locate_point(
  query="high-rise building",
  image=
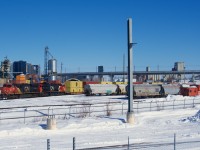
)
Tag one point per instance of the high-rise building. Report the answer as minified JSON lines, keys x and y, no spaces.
{"x":19,"y":67}
{"x":179,"y":66}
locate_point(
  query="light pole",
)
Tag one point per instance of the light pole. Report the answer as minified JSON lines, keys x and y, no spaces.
{"x":130,"y":113}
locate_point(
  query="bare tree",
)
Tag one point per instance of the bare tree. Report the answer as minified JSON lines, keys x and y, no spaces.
{"x":84,"y":110}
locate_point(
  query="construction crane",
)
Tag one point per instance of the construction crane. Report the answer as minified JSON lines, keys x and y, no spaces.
{"x":46,"y":58}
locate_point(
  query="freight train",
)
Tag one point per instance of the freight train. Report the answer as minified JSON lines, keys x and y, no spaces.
{"x":24,"y":90}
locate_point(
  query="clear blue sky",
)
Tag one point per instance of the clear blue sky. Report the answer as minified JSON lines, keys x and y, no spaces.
{"x":84,"y":34}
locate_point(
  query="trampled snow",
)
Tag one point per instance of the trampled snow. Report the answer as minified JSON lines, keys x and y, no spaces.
{"x":93,"y":130}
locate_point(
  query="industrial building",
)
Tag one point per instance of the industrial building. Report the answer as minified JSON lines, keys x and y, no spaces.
{"x":21,"y":66}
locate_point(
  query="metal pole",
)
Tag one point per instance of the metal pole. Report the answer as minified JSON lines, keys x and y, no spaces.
{"x":48,"y":144}
{"x":25,"y":115}
{"x":48,"y":111}
{"x":73,"y":143}
{"x":130,"y":113}
{"x":174,"y":141}
{"x":130,"y":66}
{"x":193,"y":102}
{"x":128,"y":142}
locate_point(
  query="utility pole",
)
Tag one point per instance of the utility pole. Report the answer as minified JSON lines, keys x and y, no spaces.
{"x":130,"y":113}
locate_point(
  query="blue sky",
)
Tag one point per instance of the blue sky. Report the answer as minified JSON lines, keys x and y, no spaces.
{"x":83,"y":34}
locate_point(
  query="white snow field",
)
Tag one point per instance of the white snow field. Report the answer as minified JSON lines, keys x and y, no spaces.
{"x":95,"y":129}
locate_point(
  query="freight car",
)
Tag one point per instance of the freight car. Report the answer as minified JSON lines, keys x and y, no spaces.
{"x":171,"y":89}
{"x":147,"y":90}
{"x":101,"y":89}
{"x":153,"y":90}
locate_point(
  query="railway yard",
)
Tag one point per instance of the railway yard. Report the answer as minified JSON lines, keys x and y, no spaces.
{"x":102,"y":118}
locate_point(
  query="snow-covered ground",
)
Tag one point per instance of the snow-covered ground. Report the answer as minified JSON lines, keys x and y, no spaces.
{"x":94,"y":130}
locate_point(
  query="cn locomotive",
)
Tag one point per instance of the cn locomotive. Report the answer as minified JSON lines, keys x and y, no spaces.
{"x":12,"y":91}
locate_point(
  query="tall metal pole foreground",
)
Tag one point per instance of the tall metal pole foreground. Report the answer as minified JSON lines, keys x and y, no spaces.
{"x":130,"y":113}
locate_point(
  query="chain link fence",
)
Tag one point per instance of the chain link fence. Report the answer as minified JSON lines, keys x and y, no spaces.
{"x":93,"y":110}
{"x":171,"y":144}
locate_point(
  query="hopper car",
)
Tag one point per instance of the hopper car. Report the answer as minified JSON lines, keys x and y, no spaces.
{"x":152,"y":90}
{"x":139,"y":90}
{"x":101,"y":89}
